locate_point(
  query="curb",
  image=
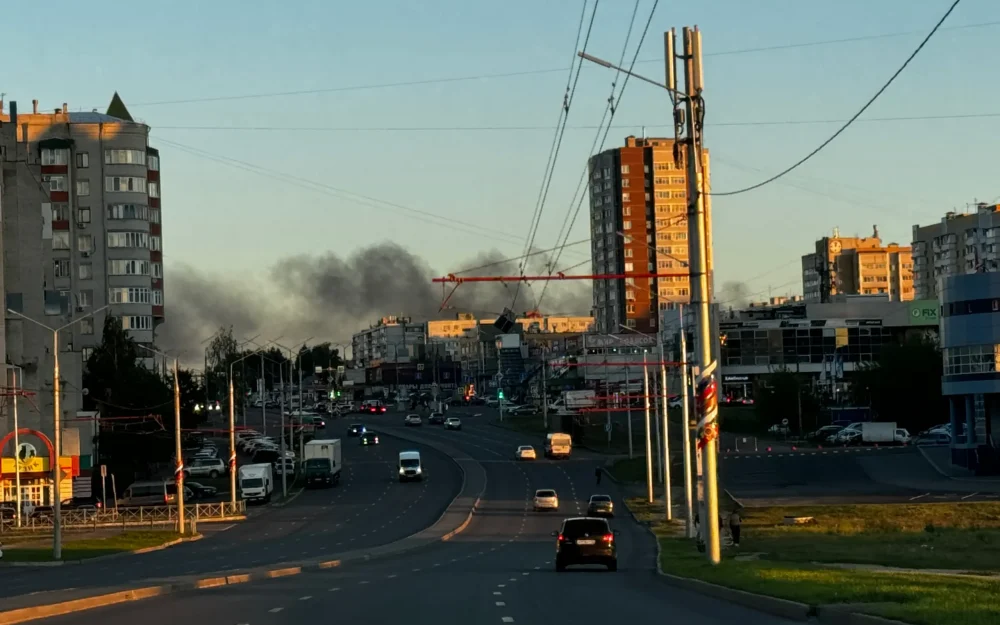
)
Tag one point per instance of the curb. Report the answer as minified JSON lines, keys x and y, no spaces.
{"x":110,"y":556}
{"x":423,"y":538}
{"x":836,"y":615}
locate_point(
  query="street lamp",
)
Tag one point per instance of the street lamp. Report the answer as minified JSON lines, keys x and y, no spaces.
{"x":232,"y":428}
{"x":17,"y":443}
{"x":298,"y":362}
{"x":57,"y":426}
{"x":179,"y":467}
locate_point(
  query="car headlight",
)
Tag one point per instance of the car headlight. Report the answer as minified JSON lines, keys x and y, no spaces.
{"x":402,"y":470}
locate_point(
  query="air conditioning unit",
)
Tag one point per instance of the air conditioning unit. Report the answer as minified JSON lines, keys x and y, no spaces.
{"x":81,"y":225}
{"x":85,"y":254}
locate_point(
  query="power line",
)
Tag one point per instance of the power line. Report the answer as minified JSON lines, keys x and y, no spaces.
{"x":550,"y":166}
{"x":535,"y":72}
{"x":856,"y":115}
{"x":734,"y":124}
{"x":530,"y":254}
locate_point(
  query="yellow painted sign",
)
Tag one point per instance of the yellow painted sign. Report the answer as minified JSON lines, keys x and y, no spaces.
{"x":36,"y":464}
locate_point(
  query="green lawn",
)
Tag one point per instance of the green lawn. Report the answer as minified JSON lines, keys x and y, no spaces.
{"x":84,"y":548}
{"x":963,"y":537}
{"x":629,"y":469}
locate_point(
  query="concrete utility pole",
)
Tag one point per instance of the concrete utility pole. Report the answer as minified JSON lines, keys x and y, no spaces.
{"x":545,"y":391}
{"x":686,"y":432}
{"x":179,"y":475}
{"x":664,"y":403}
{"x":649,"y":443}
{"x":692,"y":113}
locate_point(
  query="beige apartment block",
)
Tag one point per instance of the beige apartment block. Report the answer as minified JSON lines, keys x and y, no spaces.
{"x":857,"y":266}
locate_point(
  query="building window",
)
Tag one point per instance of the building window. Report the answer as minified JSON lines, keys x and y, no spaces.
{"x":85,"y":243}
{"x":58,"y":156}
{"x":157,"y":298}
{"x":626,"y":197}
{"x":82,"y":187}
{"x":154,"y":189}
{"x":125,"y":183}
{"x":626,"y":210}
{"x":625,"y":182}
{"x":625,"y":169}
{"x":128,"y":295}
{"x":55,"y":183}
{"x":60,"y":211}
{"x":60,"y":240}
{"x":628,"y":266}
{"x":87,"y":327}
{"x":128,"y":239}
{"x":156,"y":270}
{"x":86,"y":271}
{"x":154,"y":243}
{"x":61,"y":269}
{"x":626,"y":225}
{"x":678,"y":194}
{"x":125,"y":157}
{"x":87,"y":352}
{"x":128,"y":268}
{"x":153,"y":162}
{"x":680,"y":236}
{"x":683,"y":291}
{"x":85,"y":298}
{"x":83,"y":160}
{"x":128,"y":211}
{"x":630,"y":308}
{"x":137,"y":322}
{"x":83,"y":215}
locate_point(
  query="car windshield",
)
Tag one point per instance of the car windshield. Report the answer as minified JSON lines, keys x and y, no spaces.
{"x":545,"y":493}
{"x":591,"y":527}
{"x":600,"y":498}
{"x":409,"y":463}
{"x":525,"y":448}
{"x":253,"y":482}
{"x":355,"y":426}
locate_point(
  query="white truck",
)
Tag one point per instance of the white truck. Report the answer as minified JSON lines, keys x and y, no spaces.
{"x":323,"y":461}
{"x":256,"y":482}
{"x":558,"y":445}
{"x":883,"y":433}
{"x":573,"y":400}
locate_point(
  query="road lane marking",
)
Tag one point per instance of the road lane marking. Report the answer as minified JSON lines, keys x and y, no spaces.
{"x":968,"y":496}
{"x":305,"y":598}
{"x":275,"y":610}
{"x":507,"y":619}
{"x":334,"y":589}
{"x":501,"y":585}
{"x":525,"y":573}
{"x":497,"y":592}
{"x":392,"y":576}
{"x":501,"y":604}
{"x":919,"y":497}
{"x":364,"y":581}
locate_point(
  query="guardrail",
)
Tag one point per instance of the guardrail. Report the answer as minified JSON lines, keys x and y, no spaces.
{"x":140,"y":516}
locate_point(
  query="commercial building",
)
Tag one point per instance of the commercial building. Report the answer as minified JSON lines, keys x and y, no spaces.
{"x":857,"y":266}
{"x":80,"y":222}
{"x":970,"y":345}
{"x":638,"y":214}
{"x":827,"y":341}
{"x":958,"y":244}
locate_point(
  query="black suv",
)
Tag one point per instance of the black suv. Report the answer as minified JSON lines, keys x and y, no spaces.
{"x":586,"y":540}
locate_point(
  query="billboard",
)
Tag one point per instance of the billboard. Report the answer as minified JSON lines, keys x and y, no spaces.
{"x":924,"y":312}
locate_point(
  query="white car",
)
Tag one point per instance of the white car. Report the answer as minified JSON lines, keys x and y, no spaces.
{"x":525,"y":452}
{"x":413,"y":420}
{"x":546,"y":499}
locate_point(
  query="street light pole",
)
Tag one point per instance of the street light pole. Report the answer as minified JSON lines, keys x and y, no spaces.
{"x":649,"y":443}
{"x":17,"y":445}
{"x":686,"y":431}
{"x":56,"y":426}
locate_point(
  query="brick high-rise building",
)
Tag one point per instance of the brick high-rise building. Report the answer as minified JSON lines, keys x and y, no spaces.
{"x":641,"y":192}
{"x":80,"y":198}
{"x":857,"y":266}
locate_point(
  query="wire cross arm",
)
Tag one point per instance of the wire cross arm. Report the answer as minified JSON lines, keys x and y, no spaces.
{"x":680,"y":95}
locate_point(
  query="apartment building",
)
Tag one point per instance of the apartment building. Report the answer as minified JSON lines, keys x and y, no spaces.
{"x":857,"y":266}
{"x":638,"y":212}
{"x":960,"y":243}
{"x":391,"y":339}
{"x":80,"y":230}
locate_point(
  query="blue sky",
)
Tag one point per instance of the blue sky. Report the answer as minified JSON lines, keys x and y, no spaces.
{"x":228,"y":221}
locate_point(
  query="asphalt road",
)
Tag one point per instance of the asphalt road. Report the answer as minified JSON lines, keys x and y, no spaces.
{"x":369,"y":508}
{"x":499,"y":570}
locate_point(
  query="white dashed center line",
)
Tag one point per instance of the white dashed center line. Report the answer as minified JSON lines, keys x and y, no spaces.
{"x":275,"y":610}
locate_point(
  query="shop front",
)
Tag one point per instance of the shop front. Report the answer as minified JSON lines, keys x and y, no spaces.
{"x":30,"y":464}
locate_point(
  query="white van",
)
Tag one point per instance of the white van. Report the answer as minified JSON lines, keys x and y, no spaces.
{"x":257,"y":482}
{"x":156,"y":493}
{"x":410,"y":467}
{"x":558,"y":445}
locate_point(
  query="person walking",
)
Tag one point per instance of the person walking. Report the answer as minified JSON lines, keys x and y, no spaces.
{"x":734,"y":526}
{"x":597,"y":474}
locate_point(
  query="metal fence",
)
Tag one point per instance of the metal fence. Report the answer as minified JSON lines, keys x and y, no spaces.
{"x":140,"y":516}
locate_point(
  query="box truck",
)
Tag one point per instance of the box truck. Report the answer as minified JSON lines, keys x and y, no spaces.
{"x":256,"y":482}
{"x":323,"y":462}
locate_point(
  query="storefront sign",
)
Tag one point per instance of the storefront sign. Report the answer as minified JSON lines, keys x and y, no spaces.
{"x":598,"y":341}
{"x":39,"y":464}
{"x":735,"y":378}
{"x":924,"y":312}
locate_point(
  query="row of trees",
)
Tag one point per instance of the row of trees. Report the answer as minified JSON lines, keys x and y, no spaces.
{"x":903,"y":385}
{"x":225,"y":352}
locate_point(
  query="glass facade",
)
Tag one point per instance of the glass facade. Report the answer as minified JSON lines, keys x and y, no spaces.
{"x":788,"y":346}
{"x":971,"y":359}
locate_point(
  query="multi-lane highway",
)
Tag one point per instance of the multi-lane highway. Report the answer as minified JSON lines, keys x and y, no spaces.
{"x":369,"y":508}
{"x":499,"y":570}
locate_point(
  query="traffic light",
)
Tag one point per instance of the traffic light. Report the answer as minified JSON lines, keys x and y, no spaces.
{"x":500,"y":394}
{"x":338,"y":393}
{"x":332,"y":395}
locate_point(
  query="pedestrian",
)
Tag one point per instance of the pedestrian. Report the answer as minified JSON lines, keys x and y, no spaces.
{"x":597,"y":474}
{"x":734,"y":526}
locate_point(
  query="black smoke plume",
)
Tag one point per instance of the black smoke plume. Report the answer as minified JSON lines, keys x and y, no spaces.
{"x":331,"y":297}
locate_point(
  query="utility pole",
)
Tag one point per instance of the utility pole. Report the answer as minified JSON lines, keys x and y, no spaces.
{"x":232,"y":448}
{"x":179,"y":470}
{"x":692,"y":114}
{"x":628,"y":408}
{"x":281,"y":445}
{"x":545,"y":391}
{"x":686,"y":432}
{"x":649,"y":443}
{"x":263,"y":400}
{"x":664,"y":401}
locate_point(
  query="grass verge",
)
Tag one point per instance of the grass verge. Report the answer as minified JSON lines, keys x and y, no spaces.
{"x":84,"y":548}
{"x":629,"y":469}
{"x":787,"y":560}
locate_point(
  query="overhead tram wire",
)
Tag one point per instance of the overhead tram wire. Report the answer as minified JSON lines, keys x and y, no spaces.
{"x":611,"y":108}
{"x":535,"y":72}
{"x":571,"y":83}
{"x":852,"y":119}
{"x":364,"y":200}
{"x":510,"y":260}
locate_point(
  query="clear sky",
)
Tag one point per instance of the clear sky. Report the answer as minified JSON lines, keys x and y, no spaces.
{"x":179,"y":64}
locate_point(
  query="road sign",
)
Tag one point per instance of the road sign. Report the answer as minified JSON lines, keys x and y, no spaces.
{"x":607,"y":427}
{"x":784,"y":422}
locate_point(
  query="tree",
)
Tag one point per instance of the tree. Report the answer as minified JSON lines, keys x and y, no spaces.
{"x":780,"y":396}
{"x":222,"y":351}
{"x":115,"y":379}
{"x":192,"y":394}
{"x":904,"y":385}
